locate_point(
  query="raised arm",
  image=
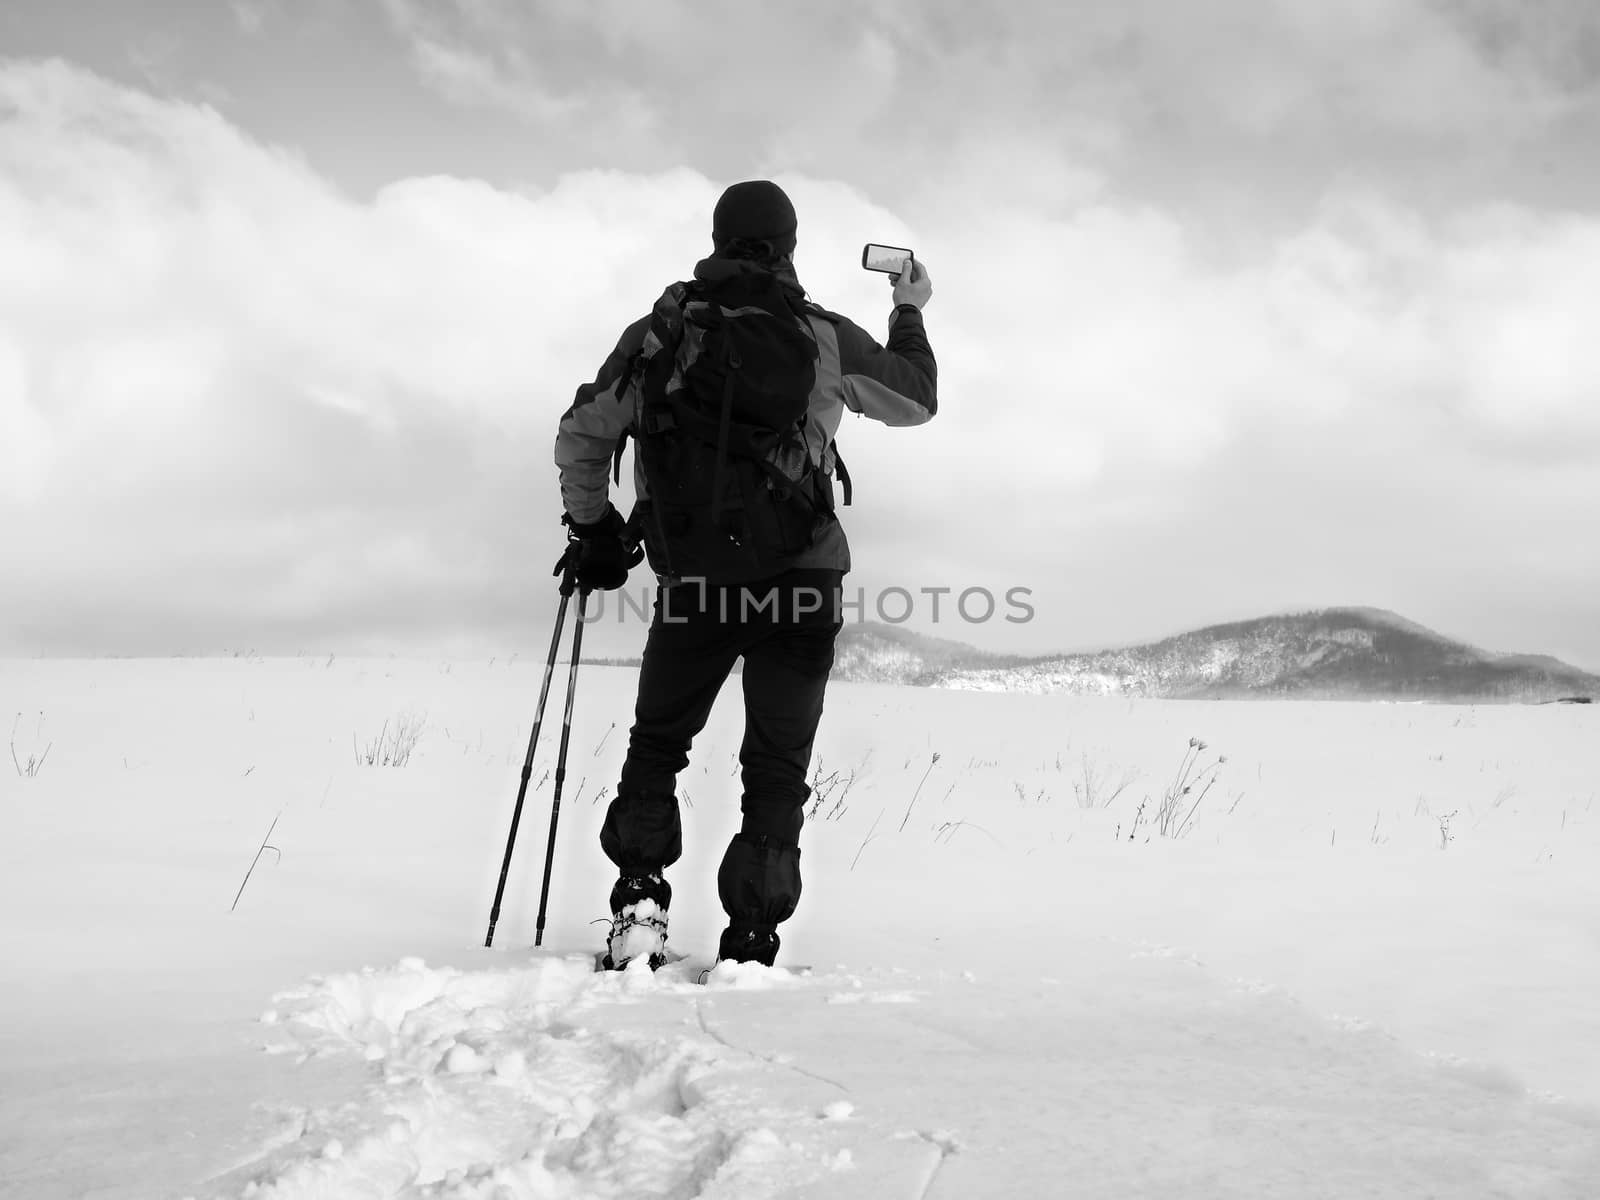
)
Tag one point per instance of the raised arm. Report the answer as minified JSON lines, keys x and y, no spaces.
{"x":897,"y":383}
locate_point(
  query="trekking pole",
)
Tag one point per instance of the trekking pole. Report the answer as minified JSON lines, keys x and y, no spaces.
{"x":527,"y":765}
{"x":561,"y":766}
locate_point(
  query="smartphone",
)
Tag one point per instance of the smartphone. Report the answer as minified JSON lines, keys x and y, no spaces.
{"x":891,"y":260}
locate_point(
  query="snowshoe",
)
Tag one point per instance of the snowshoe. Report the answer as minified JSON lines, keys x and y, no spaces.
{"x":638,"y":922}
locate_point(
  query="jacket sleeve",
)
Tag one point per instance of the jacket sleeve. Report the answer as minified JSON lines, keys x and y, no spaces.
{"x":587,"y":436}
{"x":896,"y":384}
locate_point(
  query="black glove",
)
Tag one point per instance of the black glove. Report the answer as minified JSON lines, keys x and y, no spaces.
{"x":599,"y":553}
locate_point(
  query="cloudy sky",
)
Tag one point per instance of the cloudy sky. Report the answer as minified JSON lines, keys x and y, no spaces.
{"x":1242,"y":307}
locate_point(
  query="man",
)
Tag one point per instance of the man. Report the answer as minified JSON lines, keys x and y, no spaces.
{"x":781,"y":614}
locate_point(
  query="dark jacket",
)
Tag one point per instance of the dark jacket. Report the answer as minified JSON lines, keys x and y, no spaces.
{"x":896,"y":384}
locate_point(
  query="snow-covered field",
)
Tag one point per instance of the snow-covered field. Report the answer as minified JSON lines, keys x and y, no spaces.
{"x":1368,"y":967}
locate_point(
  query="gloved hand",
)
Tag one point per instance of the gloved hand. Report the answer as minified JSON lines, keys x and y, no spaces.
{"x":598,"y":553}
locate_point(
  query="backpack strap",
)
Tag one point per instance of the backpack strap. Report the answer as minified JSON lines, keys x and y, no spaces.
{"x":724,"y":421}
{"x":843,"y":472}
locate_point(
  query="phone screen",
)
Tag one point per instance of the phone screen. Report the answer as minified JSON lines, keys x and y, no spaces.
{"x":891,"y":260}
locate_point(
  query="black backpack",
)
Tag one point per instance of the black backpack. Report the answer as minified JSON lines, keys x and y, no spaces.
{"x":725,"y":379}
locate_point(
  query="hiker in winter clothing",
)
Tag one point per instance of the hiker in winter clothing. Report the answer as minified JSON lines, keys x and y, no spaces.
{"x":736,"y":510}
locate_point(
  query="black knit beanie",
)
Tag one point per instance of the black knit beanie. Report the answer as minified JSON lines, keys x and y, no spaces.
{"x":754,"y":211}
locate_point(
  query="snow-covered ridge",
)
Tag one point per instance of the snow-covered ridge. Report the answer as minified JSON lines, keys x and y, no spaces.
{"x":1346,"y":653}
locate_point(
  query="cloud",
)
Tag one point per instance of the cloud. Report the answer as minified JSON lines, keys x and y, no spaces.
{"x":477,"y":80}
{"x":233,"y":397}
{"x":237,"y":404}
{"x":1233,"y":104}
{"x":1392,"y":67}
{"x":250,"y":15}
{"x":467,"y":54}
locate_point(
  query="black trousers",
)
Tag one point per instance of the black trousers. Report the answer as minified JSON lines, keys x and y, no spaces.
{"x":784,"y":628}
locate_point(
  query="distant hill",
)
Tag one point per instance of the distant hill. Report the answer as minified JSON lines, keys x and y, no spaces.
{"x":873,"y":653}
{"x":1336,"y":653}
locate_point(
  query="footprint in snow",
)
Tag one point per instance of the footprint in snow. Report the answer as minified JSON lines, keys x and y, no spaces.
{"x":491,"y":1083}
